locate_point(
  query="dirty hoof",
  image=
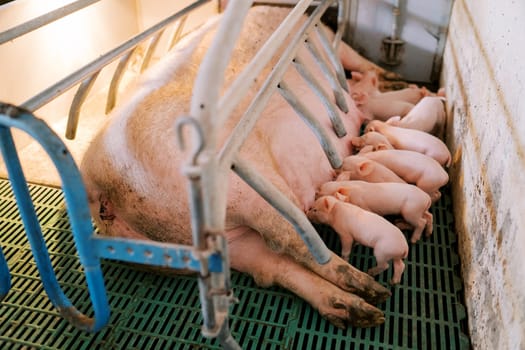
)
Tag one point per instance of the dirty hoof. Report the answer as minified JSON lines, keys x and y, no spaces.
{"x":354,"y":311}
{"x":364,"y":286}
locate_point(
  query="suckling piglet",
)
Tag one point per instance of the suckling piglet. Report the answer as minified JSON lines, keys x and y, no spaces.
{"x":412,"y":140}
{"x":377,"y":140}
{"x":356,"y":167}
{"x":369,"y":229}
{"x":414,"y":168}
{"x":428,"y":115}
{"x":386,"y":198}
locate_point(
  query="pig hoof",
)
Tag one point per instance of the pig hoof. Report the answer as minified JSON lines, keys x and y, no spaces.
{"x":354,"y":312}
{"x":363,"y":285}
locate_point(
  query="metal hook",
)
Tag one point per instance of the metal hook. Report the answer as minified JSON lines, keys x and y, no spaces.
{"x":200,"y":137}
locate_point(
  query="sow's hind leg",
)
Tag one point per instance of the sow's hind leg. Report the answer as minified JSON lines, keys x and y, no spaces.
{"x":250,"y":254}
{"x":280,"y":236}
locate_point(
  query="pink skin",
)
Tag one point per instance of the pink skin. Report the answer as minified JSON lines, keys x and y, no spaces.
{"x":357,"y":167}
{"x":382,"y":105}
{"x":413,"y":167}
{"x":428,"y":116}
{"x":133,"y":170}
{"x":412,"y":140}
{"x":386,"y":198}
{"x":364,"y":227}
{"x":376,"y":140}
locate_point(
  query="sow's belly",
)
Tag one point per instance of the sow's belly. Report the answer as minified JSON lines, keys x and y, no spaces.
{"x":132,"y":170}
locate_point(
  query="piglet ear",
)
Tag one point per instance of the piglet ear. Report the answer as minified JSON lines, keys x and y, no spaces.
{"x":393,"y":120}
{"x":357,"y":76}
{"x":382,"y":146}
{"x":340,"y":196}
{"x":344,"y":191}
{"x":329,"y":202}
{"x":366,"y":167}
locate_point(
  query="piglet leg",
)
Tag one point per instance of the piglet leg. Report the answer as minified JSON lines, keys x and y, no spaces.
{"x":249,"y":254}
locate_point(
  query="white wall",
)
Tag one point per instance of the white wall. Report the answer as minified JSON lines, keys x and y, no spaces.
{"x":484,"y":72}
{"x":35,"y":61}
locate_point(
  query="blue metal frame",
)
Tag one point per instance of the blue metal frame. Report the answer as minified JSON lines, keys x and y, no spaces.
{"x":91,"y":247}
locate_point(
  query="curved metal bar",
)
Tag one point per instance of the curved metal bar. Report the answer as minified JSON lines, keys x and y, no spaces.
{"x":5,"y":277}
{"x":178,"y":31}
{"x":244,"y":80}
{"x":250,"y":117}
{"x":337,"y":123}
{"x":151,"y":49}
{"x":76,"y":104}
{"x":338,"y":92}
{"x":78,"y":211}
{"x":115,"y":81}
{"x":287,"y":209}
{"x":310,"y":120}
{"x":343,"y":15}
{"x":332,"y":56}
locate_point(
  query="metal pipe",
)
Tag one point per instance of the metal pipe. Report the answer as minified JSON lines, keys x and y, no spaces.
{"x":250,"y":117}
{"x":151,"y":49}
{"x":332,"y":56}
{"x":313,"y":123}
{"x":77,"y":208}
{"x":336,"y":87}
{"x":41,"y":21}
{"x":78,"y":100}
{"x":65,"y":84}
{"x":115,"y":81}
{"x":245,"y":79}
{"x":178,"y":31}
{"x":286,"y":208}
{"x":337,"y":124}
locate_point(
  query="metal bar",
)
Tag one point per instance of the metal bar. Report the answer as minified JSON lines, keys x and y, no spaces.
{"x":336,"y":87}
{"x":65,"y":84}
{"x":76,"y":104}
{"x":337,"y":123}
{"x":287,"y":209}
{"x":5,"y":277}
{"x":151,"y":49}
{"x":245,"y":79}
{"x":178,"y":32}
{"x":248,"y":120}
{"x":203,"y":108}
{"x":343,"y":15}
{"x":332,"y":56}
{"x":78,"y":211}
{"x":156,"y":254}
{"x":41,"y":21}
{"x":115,"y":81}
{"x":310,"y":120}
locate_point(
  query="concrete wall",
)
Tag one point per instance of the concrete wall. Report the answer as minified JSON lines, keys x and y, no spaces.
{"x":484,"y":73}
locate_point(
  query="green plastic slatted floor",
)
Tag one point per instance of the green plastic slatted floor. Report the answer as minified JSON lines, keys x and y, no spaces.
{"x":159,"y":312}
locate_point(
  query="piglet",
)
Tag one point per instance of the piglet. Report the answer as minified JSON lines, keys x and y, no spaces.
{"x":357,"y":167}
{"x":386,"y":198}
{"x":382,"y":105}
{"x":414,"y":168}
{"x":376,"y":140}
{"x":369,"y":229}
{"x":412,"y":140}
{"x":428,"y":115}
